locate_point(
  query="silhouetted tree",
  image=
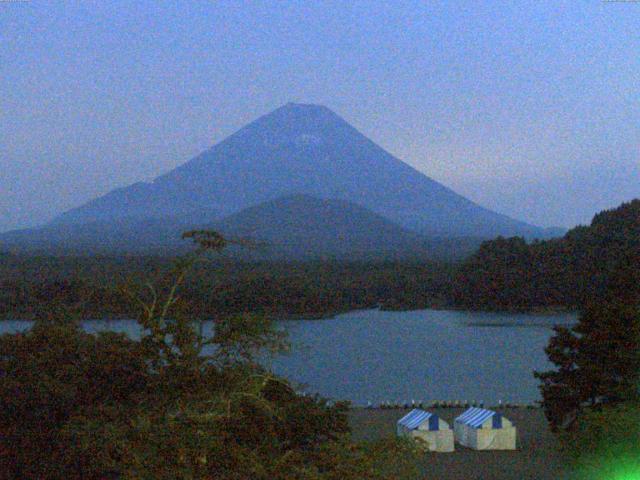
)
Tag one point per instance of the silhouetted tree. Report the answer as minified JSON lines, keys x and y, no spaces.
{"x":174,"y":404}
{"x":598,"y":360}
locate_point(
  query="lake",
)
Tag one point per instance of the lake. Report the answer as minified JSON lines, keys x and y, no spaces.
{"x":375,"y":356}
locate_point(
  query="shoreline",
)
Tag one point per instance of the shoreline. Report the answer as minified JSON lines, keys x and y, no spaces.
{"x":311,"y":316}
{"x":538,"y":454}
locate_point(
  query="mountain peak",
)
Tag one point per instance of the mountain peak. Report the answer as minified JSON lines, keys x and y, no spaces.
{"x":303,"y":148}
{"x":305,"y":106}
{"x":302,"y":111}
{"x":301,"y":124}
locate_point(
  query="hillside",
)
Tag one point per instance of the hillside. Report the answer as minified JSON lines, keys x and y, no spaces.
{"x":304,"y":227}
{"x":161,"y":236}
{"x":301,"y":149}
{"x":511,"y":274}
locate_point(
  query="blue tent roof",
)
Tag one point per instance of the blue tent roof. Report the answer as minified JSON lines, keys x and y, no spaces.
{"x":475,"y":417}
{"x":416,"y":417}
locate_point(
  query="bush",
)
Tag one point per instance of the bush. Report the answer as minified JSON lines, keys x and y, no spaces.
{"x":605,"y":443}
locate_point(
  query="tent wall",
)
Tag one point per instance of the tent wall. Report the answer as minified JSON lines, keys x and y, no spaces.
{"x":435,"y":441}
{"x":496,"y":439}
{"x":486,"y":438}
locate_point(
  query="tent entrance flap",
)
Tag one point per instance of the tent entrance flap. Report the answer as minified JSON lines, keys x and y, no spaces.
{"x":497,"y":421}
{"x":434,"y":423}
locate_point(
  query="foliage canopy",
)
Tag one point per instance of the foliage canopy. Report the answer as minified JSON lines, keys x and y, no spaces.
{"x":174,"y":404}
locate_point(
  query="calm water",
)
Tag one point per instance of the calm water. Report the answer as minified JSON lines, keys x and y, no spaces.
{"x":399,"y":356}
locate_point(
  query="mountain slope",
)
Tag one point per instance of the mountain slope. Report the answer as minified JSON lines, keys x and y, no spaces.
{"x":123,"y":235}
{"x":297,"y":227}
{"x":508,"y":274}
{"x":304,"y":227}
{"x":302,"y":149}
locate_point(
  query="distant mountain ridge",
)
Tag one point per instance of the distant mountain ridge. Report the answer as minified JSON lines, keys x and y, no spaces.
{"x":302,"y":149}
{"x":296,"y":227}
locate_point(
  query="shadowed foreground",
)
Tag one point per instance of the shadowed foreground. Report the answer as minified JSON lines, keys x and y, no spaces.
{"x":537,"y":457}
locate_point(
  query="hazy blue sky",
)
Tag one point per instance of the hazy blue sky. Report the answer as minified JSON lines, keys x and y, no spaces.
{"x":529,"y":108}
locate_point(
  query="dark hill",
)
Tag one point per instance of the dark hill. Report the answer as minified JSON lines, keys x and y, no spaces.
{"x":304,"y":227}
{"x":569,"y":272}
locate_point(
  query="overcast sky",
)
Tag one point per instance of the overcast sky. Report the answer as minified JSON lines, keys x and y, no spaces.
{"x":528,"y":108}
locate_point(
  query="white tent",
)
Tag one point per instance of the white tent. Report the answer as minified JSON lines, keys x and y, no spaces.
{"x":482,"y":429}
{"x":428,"y":427}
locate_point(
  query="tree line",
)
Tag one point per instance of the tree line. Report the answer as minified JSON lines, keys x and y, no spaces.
{"x":504,"y":274}
{"x":592,"y":395}
{"x":511,"y":274}
{"x":92,"y":286}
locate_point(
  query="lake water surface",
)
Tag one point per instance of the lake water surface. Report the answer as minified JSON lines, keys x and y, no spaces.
{"x":375,"y":356}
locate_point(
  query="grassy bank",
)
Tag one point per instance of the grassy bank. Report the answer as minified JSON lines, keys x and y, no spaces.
{"x":537,"y":458}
